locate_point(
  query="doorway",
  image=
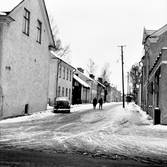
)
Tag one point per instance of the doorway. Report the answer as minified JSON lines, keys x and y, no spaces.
{"x":26,"y":109}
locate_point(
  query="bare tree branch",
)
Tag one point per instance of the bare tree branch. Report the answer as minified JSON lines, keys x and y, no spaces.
{"x":105,"y":73}
{"x":91,"y":67}
{"x":62,"y":51}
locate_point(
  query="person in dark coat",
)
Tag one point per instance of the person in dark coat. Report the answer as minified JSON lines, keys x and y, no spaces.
{"x":100,"y":103}
{"x":94,"y":103}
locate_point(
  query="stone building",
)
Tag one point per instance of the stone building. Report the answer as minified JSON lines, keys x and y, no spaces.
{"x":154,"y":74}
{"x":25,"y":41}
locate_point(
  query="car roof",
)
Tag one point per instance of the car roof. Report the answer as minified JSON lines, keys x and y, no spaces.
{"x":62,"y":99}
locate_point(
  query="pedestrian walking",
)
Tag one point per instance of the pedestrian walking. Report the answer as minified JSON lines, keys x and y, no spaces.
{"x":100,"y":103}
{"x":94,"y":102}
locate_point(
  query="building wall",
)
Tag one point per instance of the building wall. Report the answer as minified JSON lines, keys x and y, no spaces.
{"x":163,"y":94}
{"x":93,"y":90}
{"x":25,"y":64}
{"x":65,"y":83}
{"x":155,"y":48}
{"x":58,"y":81}
{"x":100,"y":92}
{"x":152,"y":50}
{"x":87,"y":94}
{"x":52,"y":81}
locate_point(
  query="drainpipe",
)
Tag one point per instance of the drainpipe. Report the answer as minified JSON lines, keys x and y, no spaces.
{"x":72,"y":86}
{"x":57,"y":77}
{"x":1,"y":52}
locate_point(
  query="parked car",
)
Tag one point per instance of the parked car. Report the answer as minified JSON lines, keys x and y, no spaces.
{"x":61,"y":104}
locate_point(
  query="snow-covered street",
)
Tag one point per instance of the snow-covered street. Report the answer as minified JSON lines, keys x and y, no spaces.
{"x":113,"y":132}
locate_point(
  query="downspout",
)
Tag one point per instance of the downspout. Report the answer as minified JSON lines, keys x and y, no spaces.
{"x":86,"y":95}
{"x":72,"y":86}
{"x":57,"y":76}
{"x":147,"y":73}
{"x":1,"y":52}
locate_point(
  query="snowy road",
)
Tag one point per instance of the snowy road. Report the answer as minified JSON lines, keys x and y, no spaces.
{"x":110,"y":133}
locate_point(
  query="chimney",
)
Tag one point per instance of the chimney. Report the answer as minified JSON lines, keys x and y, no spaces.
{"x":91,"y":76}
{"x":80,"y":69}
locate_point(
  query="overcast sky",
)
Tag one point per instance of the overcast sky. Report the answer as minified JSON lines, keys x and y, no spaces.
{"x":95,"y":28}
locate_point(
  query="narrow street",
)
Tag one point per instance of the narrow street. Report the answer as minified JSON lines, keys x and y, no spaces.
{"x":112,"y":133}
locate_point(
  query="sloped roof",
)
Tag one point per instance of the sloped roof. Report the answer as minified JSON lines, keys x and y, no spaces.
{"x":81,"y":81}
{"x":153,"y":32}
{"x":160,"y":31}
{"x":100,"y":84}
{"x":89,"y":78}
{"x":149,"y":32}
{"x":55,"y":56}
{"x":9,"y":5}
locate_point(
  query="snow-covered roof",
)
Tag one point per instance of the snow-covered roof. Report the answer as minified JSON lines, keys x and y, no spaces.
{"x":164,"y":48}
{"x":8,"y":5}
{"x":55,"y":56}
{"x":81,"y":81}
{"x":100,"y":84}
{"x":89,"y":78}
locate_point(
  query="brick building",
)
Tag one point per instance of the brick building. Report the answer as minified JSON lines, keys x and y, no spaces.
{"x":154,"y":74}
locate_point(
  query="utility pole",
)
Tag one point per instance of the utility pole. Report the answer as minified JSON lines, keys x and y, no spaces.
{"x":128,"y":90}
{"x":122,"y":58}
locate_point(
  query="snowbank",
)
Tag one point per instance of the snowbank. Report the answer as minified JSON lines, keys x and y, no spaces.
{"x":35,"y":116}
{"x":43,"y":114}
{"x":138,"y":116}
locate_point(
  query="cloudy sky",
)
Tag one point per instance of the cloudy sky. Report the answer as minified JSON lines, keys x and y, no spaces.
{"x":95,"y":28}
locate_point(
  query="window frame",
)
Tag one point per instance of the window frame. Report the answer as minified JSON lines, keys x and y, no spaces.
{"x":59,"y":90}
{"x":67,"y":74}
{"x":26,"y":22}
{"x":69,"y":94}
{"x":60,"y":67}
{"x":66,"y":92}
{"x":62,"y":91}
{"x":64,"y":72}
{"x":70,"y":74}
{"x":39,"y":31}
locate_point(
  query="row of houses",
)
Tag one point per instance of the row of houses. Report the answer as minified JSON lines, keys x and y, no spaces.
{"x":86,"y":88}
{"x":31,"y":73}
{"x":153,"y":88}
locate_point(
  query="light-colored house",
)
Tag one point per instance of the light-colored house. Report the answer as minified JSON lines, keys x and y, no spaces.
{"x":25,"y":41}
{"x":154,"y":74}
{"x":60,"y":79}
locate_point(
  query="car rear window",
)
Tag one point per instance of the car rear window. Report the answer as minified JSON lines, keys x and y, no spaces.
{"x":64,"y":103}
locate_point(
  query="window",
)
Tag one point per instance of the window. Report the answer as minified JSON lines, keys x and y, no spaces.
{"x":66,"y":91}
{"x":60,"y":71}
{"x":69,"y":94}
{"x":39,"y":31}
{"x":59,"y":88}
{"x":67,"y":73}
{"x":64,"y":70}
{"x":26,"y":22}
{"x":62,"y":91}
{"x":70,"y":75}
